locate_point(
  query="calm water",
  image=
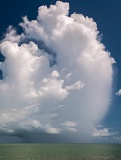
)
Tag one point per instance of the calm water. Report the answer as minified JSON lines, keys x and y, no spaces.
{"x":60,"y":152}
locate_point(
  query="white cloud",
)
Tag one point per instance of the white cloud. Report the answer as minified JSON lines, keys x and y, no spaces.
{"x":119,"y":92}
{"x":102,"y":132}
{"x":77,"y":85}
{"x":36,"y":124}
{"x":55,"y":74}
{"x":5,"y":129}
{"x":63,"y":64}
{"x":52,"y":130}
{"x":68,"y":76}
{"x":12,"y":35}
{"x":69,"y":124}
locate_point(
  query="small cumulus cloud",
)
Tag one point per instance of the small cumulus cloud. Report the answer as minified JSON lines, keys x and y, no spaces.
{"x":119,"y":92}
{"x":102,"y":132}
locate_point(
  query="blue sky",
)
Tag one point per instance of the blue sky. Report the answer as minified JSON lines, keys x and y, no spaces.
{"x":106,"y":13}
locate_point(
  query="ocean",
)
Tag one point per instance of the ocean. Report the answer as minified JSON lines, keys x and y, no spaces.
{"x":60,"y":151}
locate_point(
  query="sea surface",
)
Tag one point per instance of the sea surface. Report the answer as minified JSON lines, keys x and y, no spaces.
{"x":60,"y":152}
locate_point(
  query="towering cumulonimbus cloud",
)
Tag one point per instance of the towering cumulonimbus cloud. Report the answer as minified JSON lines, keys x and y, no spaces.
{"x":57,"y":76}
